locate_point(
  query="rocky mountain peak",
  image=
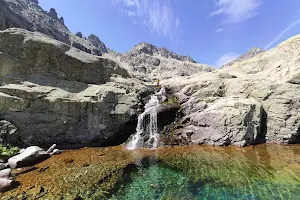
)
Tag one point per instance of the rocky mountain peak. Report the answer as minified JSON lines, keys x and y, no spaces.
{"x":150,"y":49}
{"x":94,"y":40}
{"x":144,"y":47}
{"x":52,"y":13}
{"x":79,"y":34}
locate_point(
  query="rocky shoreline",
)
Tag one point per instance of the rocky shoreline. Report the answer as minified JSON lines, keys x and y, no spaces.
{"x":25,"y":158}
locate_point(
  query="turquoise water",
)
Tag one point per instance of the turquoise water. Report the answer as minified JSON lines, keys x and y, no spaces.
{"x":218,"y":175}
{"x":159,"y":181}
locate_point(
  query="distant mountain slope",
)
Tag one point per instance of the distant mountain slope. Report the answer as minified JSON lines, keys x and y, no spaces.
{"x":147,"y":62}
{"x":250,"y":54}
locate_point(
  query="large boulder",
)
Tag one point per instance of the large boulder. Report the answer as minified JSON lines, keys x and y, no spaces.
{"x":228,"y":121}
{"x":30,"y":155}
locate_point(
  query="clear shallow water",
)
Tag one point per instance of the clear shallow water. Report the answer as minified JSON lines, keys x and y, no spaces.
{"x":215,"y":173}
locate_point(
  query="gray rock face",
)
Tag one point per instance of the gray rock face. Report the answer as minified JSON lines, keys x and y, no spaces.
{"x":28,"y":15}
{"x":268,"y":80}
{"x":94,"y":40}
{"x":35,"y":1}
{"x":57,"y":94}
{"x":8,"y":133}
{"x":79,"y":34}
{"x":164,"y":52}
{"x":29,"y":156}
{"x":52,"y":13}
{"x":228,"y":121}
{"x":45,"y":56}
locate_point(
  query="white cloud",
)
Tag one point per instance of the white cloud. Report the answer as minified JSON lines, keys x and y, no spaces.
{"x":236,"y":11}
{"x":130,"y":13}
{"x":157,"y":15}
{"x":219,"y":30}
{"x":292,"y":25}
{"x":227,"y":58}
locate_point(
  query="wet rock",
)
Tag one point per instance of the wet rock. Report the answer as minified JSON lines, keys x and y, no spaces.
{"x":5,"y":173}
{"x":166,"y":114}
{"x":51,"y":149}
{"x":30,"y":155}
{"x":3,"y":166}
{"x":5,"y":183}
{"x":56,"y":152}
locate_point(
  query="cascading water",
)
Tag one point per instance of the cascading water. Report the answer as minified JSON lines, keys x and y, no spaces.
{"x":146,"y":131}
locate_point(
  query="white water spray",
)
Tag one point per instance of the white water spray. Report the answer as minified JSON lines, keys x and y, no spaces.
{"x":146,"y":131}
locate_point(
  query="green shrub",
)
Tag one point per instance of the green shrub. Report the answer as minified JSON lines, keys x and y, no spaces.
{"x":172,"y":101}
{"x":8,"y":151}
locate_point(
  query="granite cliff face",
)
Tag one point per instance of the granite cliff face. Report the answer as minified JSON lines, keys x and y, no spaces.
{"x":253,"y":100}
{"x":56,"y":87}
{"x":55,"y":93}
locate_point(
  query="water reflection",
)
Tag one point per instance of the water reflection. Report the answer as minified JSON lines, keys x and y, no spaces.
{"x":260,"y":172}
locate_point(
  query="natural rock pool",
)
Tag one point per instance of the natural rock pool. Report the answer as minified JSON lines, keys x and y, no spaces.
{"x":195,"y":172}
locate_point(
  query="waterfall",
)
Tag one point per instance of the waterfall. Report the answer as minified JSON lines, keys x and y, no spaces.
{"x":146,"y":131}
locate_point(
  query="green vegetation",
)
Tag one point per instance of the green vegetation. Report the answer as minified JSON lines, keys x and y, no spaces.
{"x":172,"y":101}
{"x":8,"y":151}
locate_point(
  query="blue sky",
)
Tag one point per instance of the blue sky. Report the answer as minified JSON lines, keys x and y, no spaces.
{"x":210,"y":31}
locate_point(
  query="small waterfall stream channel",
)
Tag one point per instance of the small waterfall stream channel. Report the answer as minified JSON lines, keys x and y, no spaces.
{"x":146,"y":135}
